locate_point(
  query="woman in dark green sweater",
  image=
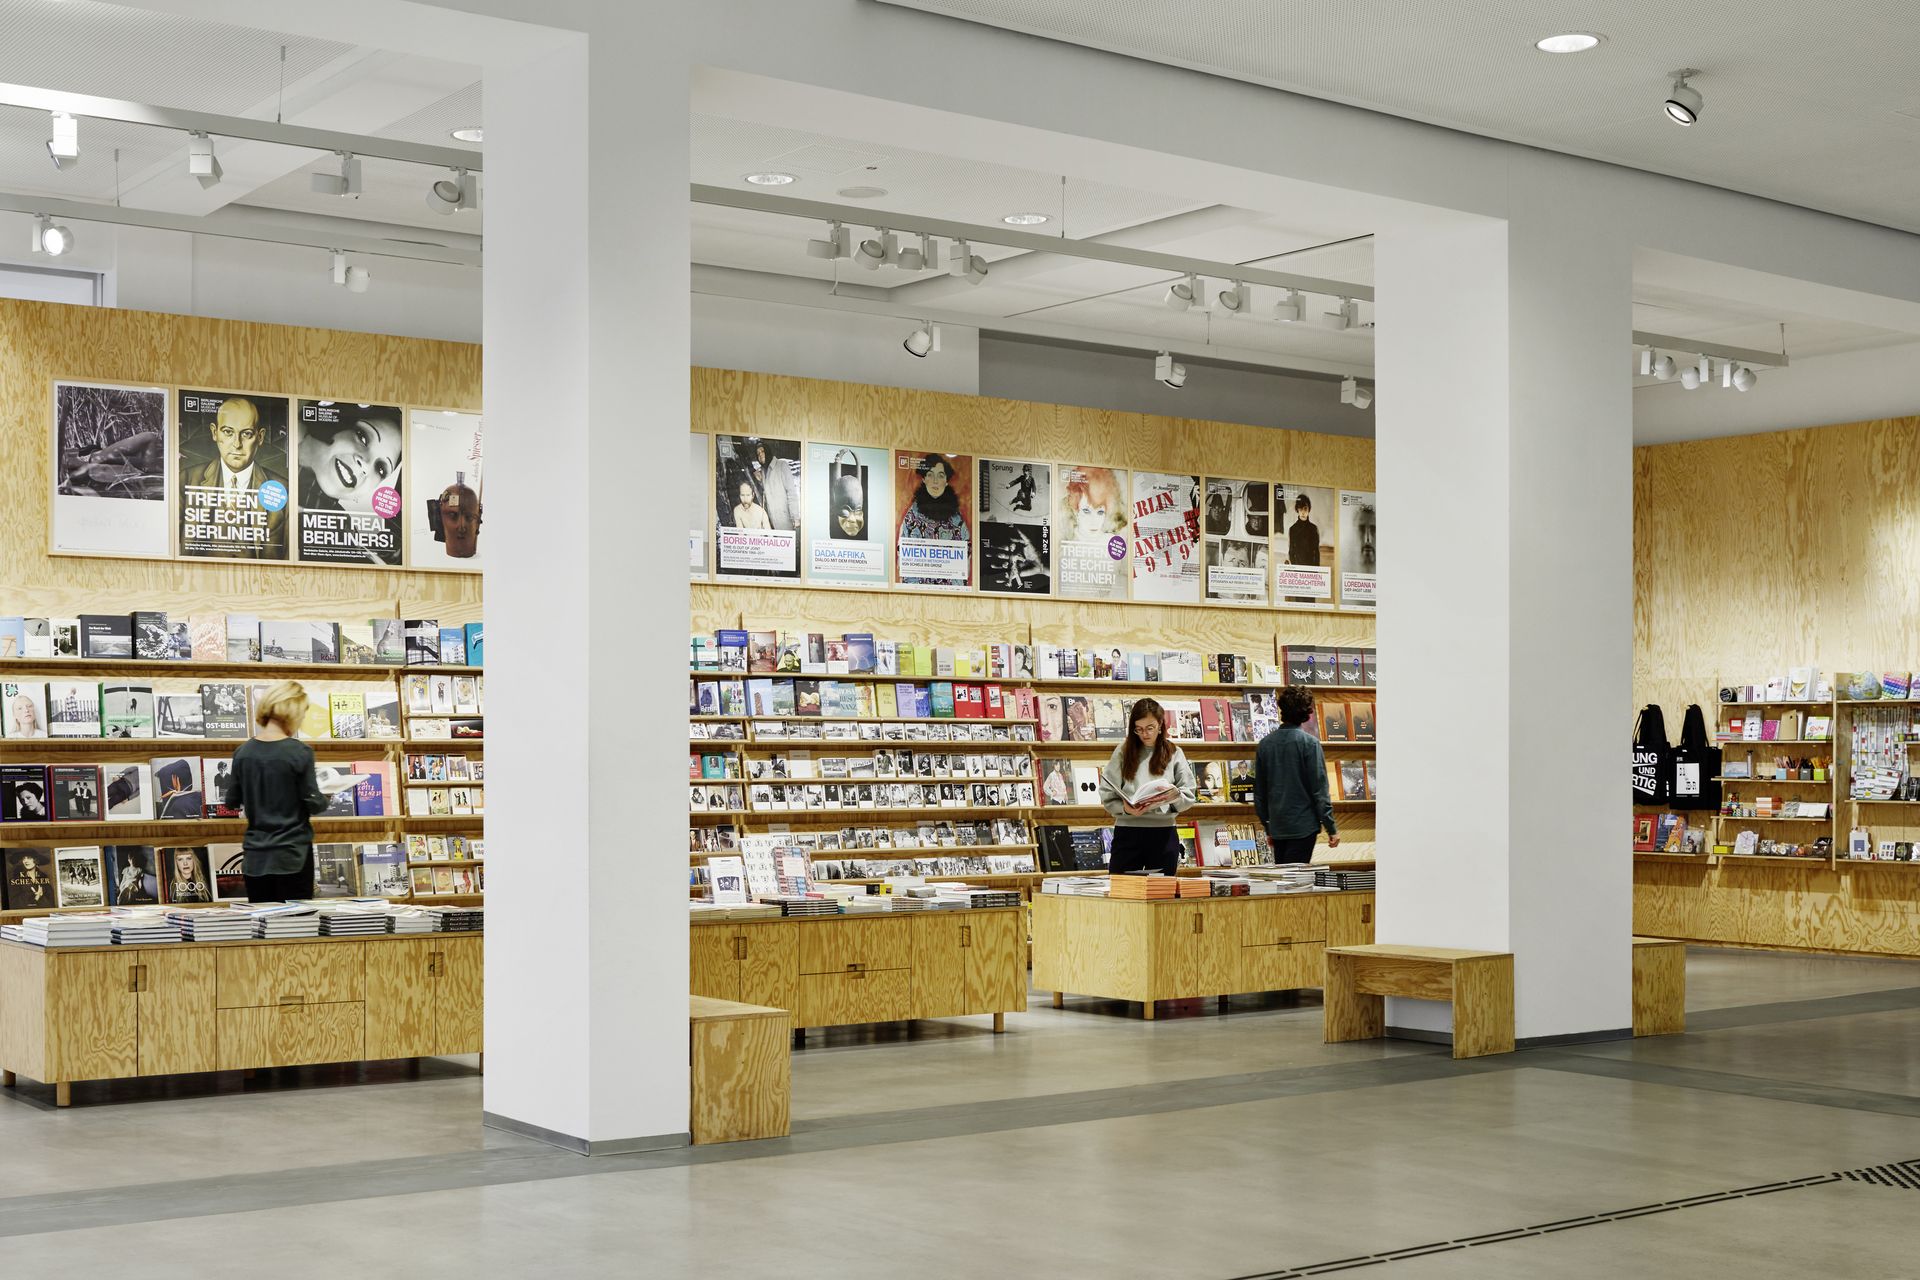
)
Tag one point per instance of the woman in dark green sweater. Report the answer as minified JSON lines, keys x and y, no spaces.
{"x":273,"y":780}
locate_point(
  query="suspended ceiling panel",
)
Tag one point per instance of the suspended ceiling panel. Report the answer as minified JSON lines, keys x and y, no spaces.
{"x":1814,"y":104}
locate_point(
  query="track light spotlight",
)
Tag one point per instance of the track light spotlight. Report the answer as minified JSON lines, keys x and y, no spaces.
{"x":1684,"y":105}
{"x":923,"y":341}
{"x":451,"y":194}
{"x":925,"y":256}
{"x":882,"y":248}
{"x":202,"y":164}
{"x":1664,"y":368}
{"x":1236,"y":300}
{"x":1744,"y":378}
{"x":1363,"y":397}
{"x":1182,"y":294}
{"x":838,"y":243}
{"x":1168,"y":372}
{"x":1292,"y":308}
{"x":358,"y":279}
{"x":1690,"y":378}
{"x":344,"y":183}
{"x":966,"y":264}
{"x":1344,"y":316}
{"x":352,"y":279}
{"x":1353,"y":393}
{"x":64,"y":145}
{"x":50,"y":237}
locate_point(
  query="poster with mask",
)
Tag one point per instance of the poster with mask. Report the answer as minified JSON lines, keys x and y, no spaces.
{"x":934,"y":547}
{"x":697,"y":508}
{"x":849,"y":499}
{"x":445,"y":478}
{"x":1307,"y":519}
{"x":756,"y":510}
{"x":1237,"y":530}
{"x":233,"y":476}
{"x":1093,"y":532}
{"x":347,"y":460}
{"x":1166,"y":537}
{"x":110,"y":470}
{"x":1016,"y":544}
{"x":1359,"y":589}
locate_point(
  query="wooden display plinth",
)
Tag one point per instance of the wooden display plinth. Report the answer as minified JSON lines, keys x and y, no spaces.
{"x":1479,"y":983}
{"x":742,"y":1072}
{"x":1186,"y":948}
{"x":834,"y":971}
{"x":1659,"y":987}
{"x":108,"y":1013}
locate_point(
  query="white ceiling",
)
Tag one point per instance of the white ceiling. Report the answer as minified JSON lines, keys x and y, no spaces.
{"x":1814,"y":104}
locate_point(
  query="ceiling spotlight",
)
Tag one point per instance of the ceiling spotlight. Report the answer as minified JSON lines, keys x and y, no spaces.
{"x":1236,"y":300}
{"x":882,"y":248}
{"x":1344,"y":316}
{"x":1168,"y":372}
{"x":966,"y":264}
{"x":1571,"y":42}
{"x":926,"y":255}
{"x":1684,"y":104}
{"x":1292,"y":308}
{"x":1024,"y":219}
{"x":201,"y":162}
{"x":770,"y":179}
{"x":358,"y":279}
{"x":1695,"y":376}
{"x":922,"y":341}
{"x":1663,"y":368}
{"x":1181,"y":293}
{"x":1744,"y":378}
{"x":1363,"y":397}
{"x":344,"y":183}
{"x":352,"y":279}
{"x":472,"y":133}
{"x":1353,"y":393}
{"x":50,"y":238}
{"x":451,"y":194}
{"x":837,"y":244}
{"x":64,"y":145}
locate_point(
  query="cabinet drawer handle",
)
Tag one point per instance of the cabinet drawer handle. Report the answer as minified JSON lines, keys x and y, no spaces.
{"x":740,"y":947}
{"x":133,"y":977}
{"x":1199,"y":923}
{"x":1283,"y":942}
{"x":854,"y":968}
{"x":286,"y":1000}
{"x":966,"y":935}
{"x":1366,"y":913}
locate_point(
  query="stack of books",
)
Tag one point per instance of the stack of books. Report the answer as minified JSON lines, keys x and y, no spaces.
{"x":353,"y":919}
{"x":93,"y":929}
{"x":979,"y":899}
{"x":409,"y":920}
{"x":799,"y":905}
{"x":1143,"y":888}
{"x":1329,"y":878}
{"x":286,"y":920}
{"x":457,"y":919}
{"x":139,"y":927}
{"x":1193,"y":887}
{"x":702,"y":911}
{"x":1078,"y":886}
{"x":213,"y":924}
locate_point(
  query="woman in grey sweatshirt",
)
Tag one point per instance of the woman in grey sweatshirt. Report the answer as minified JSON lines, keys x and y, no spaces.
{"x":1146,"y":784}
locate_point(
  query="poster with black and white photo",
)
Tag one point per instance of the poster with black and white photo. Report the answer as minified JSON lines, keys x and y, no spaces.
{"x":1307,"y":517}
{"x":697,"y":508}
{"x":446,"y":476}
{"x":849,"y":499}
{"x":934,"y":494}
{"x":348,"y":459}
{"x":1359,"y":588}
{"x":1092,"y":529}
{"x":110,"y":470}
{"x":1238,"y":527}
{"x":1016,"y":542}
{"x":233,"y":475}
{"x":756,"y":510}
{"x":1166,"y":537}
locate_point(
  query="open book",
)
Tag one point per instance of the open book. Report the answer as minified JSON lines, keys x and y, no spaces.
{"x":333,"y":781}
{"x":1154,"y":791}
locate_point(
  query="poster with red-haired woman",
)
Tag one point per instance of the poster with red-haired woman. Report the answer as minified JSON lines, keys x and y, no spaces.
{"x":1092,"y":532}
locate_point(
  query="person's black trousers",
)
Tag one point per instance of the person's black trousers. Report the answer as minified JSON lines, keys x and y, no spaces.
{"x":1294,"y":849}
{"x":1155,"y":849}
{"x":288,"y":887}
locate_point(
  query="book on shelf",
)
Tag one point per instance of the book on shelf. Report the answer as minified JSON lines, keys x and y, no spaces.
{"x":106,"y":635}
{"x":243,"y":637}
{"x":837,"y":656}
{"x":453,"y":646}
{"x":1674,"y":838}
{"x":1643,"y":832}
{"x":382,"y":710}
{"x":221,"y":712}
{"x":176,"y":783}
{"x":74,"y":793}
{"x":763,"y":652}
{"x":862,"y":658}
{"x":152,"y":636}
{"x":23,"y":793}
{"x":216,"y":774}
{"x":126,"y":710}
{"x":1664,"y":827}
{"x":23,"y":710}
{"x":28,"y":879}
{"x":356,"y":644}
{"x":422,"y":641}
{"x":390,"y":641}
{"x":347,"y":714}
{"x":73,"y":709}
{"x":80,"y":877}
{"x":1334,"y":722}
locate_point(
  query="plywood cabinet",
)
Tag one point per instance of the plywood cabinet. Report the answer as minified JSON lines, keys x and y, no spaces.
{"x":101,"y":1013}
{"x":1349,"y":919}
{"x":841,"y":970}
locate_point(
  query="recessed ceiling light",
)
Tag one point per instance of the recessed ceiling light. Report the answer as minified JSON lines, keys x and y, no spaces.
{"x":1024,"y":219}
{"x":861,"y":193}
{"x":771,"y":179}
{"x":1570,"y":42}
{"x":472,"y":133}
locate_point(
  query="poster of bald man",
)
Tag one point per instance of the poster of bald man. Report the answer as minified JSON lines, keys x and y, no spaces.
{"x":233,"y":475}
{"x":110,"y":470}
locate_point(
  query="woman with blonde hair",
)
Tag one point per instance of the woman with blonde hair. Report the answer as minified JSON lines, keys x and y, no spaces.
{"x":273,"y":781}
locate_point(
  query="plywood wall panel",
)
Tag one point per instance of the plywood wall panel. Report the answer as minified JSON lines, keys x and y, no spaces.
{"x":42,"y":342}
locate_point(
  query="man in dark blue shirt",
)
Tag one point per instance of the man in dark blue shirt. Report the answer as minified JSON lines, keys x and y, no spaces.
{"x":1290,"y":783}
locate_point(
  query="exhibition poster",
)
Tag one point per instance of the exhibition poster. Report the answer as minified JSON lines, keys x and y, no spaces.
{"x":446,"y":476}
{"x":110,"y":470}
{"x":756,"y":507}
{"x":1307,"y":517}
{"x":1093,"y":526}
{"x":1016,"y":551}
{"x":348,"y":459}
{"x":1359,"y":588}
{"x":1237,"y":529}
{"x":234,"y":498}
{"x":934,"y":542}
{"x":849,"y":502}
{"x":1166,"y":537}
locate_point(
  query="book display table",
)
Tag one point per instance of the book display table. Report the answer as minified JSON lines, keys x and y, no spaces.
{"x":1185,"y":948}
{"x":834,"y":971}
{"x":107,"y":1013}
{"x":742,"y":1073}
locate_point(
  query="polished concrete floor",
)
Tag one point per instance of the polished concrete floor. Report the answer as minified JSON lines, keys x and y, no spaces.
{"x":1214,"y":1144}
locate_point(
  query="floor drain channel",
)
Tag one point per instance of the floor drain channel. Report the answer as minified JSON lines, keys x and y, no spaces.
{"x":1905,"y":1173}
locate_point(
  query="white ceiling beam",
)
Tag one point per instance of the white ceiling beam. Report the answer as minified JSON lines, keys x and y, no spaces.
{"x":1718,"y":350}
{"x":1014,"y":238}
{"x":286,"y":135}
{"x":239,"y":228}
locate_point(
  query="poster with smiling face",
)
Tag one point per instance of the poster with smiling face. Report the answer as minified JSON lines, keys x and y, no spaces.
{"x":348,"y":458}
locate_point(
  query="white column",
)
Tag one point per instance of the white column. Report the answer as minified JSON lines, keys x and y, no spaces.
{"x":586,"y":386}
{"x":1504,"y":471}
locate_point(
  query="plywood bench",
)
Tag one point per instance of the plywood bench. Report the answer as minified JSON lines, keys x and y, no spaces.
{"x":1478,"y":983}
{"x":742,"y":1081}
{"x":1659,"y":987}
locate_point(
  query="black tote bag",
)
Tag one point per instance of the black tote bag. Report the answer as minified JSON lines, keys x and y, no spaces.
{"x":1696,"y":763}
{"x":1652,"y":758}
